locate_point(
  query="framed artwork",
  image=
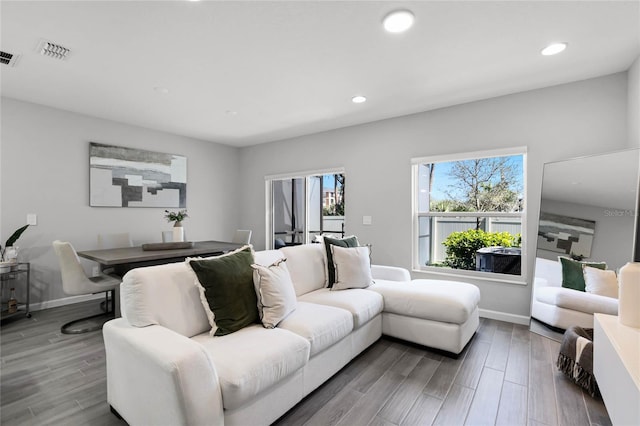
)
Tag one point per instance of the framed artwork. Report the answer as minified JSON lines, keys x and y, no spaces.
{"x":565,"y":234}
{"x":127,"y":177}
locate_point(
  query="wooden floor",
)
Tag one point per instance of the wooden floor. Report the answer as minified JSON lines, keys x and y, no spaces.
{"x":506,"y":376}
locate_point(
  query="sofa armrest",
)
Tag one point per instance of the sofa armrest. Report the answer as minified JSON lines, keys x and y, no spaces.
{"x":540,"y":282}
{"x":158,"y":376}
{"x":390,"y":273}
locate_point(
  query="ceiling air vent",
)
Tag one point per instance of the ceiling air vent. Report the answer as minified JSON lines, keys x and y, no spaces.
{"x":7,"y":58}
{"x":52,"y":50}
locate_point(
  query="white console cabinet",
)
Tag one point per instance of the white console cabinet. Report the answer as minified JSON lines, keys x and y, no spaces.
{"x":616,"y":365}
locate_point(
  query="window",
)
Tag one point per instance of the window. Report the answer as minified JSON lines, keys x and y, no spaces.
{"x":302,"y":207}
{"x":469,"y":214}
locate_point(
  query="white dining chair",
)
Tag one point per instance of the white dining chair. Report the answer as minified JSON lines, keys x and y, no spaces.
{"x":75,"y":283}
{"x":242,"y":236}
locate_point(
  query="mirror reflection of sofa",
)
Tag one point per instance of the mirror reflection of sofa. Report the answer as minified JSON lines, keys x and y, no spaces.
{"x":562,"y":307}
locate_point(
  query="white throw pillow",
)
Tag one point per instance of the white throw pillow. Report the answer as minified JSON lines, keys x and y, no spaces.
{"x":600,"y":281}
{"x":328,"y":241}
{"x":276,"y":295}
{"x":353,"y":267}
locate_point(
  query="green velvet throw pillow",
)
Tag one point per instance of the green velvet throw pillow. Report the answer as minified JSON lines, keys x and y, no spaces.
{"x":572,"y":275}
{"x":351,"y":241}
{"x":228,"y":287}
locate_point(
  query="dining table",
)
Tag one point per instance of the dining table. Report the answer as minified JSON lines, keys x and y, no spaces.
{"x":121,"y":260}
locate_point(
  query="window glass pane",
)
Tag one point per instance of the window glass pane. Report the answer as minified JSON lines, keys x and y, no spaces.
{"x":315,"y":206}
{"x":492,"y":184}
{"x":288,"y":214}
{"x":456,"y":240}
{"x":485,"y":243}
{"x":424,"y":240}
{"x":333,"y":205}
{"x":303,"y":208}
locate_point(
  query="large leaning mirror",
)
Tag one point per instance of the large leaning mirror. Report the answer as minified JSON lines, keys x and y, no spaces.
{"x":587,"y":214}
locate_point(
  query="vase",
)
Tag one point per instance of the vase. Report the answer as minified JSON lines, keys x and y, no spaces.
{"x":629,"y":295}
{"x":11,"y":254}
{"x":178,"y":232}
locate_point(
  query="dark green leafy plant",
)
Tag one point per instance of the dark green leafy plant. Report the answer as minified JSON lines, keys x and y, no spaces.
{"x":462,"y":246}
{"x":577,"y":257}
{"x":178,"y":216}
{"x":11,"y":241}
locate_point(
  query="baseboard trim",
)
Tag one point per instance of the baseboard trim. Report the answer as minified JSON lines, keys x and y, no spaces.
{"x":503,"y":316}
{"x":64,"y":301}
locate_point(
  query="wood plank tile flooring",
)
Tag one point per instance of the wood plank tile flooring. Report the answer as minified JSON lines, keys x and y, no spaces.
{"x":506,"y":376}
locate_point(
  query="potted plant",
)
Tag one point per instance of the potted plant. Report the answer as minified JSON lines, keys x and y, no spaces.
{"x":5,"y":263}
{"x":177,"y":217}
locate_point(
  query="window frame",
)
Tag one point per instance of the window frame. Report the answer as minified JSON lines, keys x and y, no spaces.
{"x":416,"y":215}
{"x":269,"y":239}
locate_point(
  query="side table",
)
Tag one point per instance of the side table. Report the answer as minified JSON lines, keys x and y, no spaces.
{"x":18,"y":275}
{"x":616,"y":364}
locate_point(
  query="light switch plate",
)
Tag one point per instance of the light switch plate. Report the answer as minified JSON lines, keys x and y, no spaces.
{"x":366,"y":220}
{"x":32,"y":219}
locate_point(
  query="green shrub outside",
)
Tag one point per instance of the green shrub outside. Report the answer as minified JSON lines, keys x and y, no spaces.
{"x":461,"y":246}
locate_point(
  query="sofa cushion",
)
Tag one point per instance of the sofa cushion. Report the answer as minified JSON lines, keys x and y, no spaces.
{"x":227,"y":289}
{"x":267,"y":257}
{"x":577,"y":300}
{"x":572,"y":276}
{"x":327,"y":243}
{"x":321,"y":325}
{"x":253,"y":359}
{"x":306,"y":267}
{"x":274,"y":289}
{"x":352,"y":267}
{"x":163,"y":295}
{"x":600,"y":282}
{"x":362,"y":303}
{"x":436,"y":300}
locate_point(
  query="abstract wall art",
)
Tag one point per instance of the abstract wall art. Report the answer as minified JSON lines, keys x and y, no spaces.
{"x":127,"y":177}
{"x":567,"y":235}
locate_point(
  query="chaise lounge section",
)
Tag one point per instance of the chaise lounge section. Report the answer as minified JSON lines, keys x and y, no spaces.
{"x":164,"y":367}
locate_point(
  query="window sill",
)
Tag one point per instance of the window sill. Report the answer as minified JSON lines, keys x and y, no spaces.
{"x":480,"y":276}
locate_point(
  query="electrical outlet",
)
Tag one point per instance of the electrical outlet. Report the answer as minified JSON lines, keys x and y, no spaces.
{"x":96,"y":271}
{"x":366,"y":220}
{"x":32,"y":219}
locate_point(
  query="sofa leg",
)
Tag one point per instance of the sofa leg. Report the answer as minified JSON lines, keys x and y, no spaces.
{"x":115,"y":413}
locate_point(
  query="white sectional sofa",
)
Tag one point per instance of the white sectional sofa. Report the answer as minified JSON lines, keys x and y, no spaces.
{"x":164,"y":368}
{"x":564,"y":307}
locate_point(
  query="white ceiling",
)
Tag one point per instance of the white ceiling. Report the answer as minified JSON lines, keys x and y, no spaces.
{"x":242,"y":73}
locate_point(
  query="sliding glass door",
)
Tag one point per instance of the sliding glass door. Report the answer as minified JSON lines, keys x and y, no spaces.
{"x":304,"y":207}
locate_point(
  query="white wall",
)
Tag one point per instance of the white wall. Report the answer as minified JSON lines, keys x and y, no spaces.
{"x":633,"y":109}
{"x":44,"y":170}
{"x":554,"y":123}
{"x":612,"y":239}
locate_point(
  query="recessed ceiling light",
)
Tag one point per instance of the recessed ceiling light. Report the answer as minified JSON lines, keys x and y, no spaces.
{"x":161,"y":90}
{"x":398,"y":21}
{"x":553,"y":49}
{"x":358,"y":99}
